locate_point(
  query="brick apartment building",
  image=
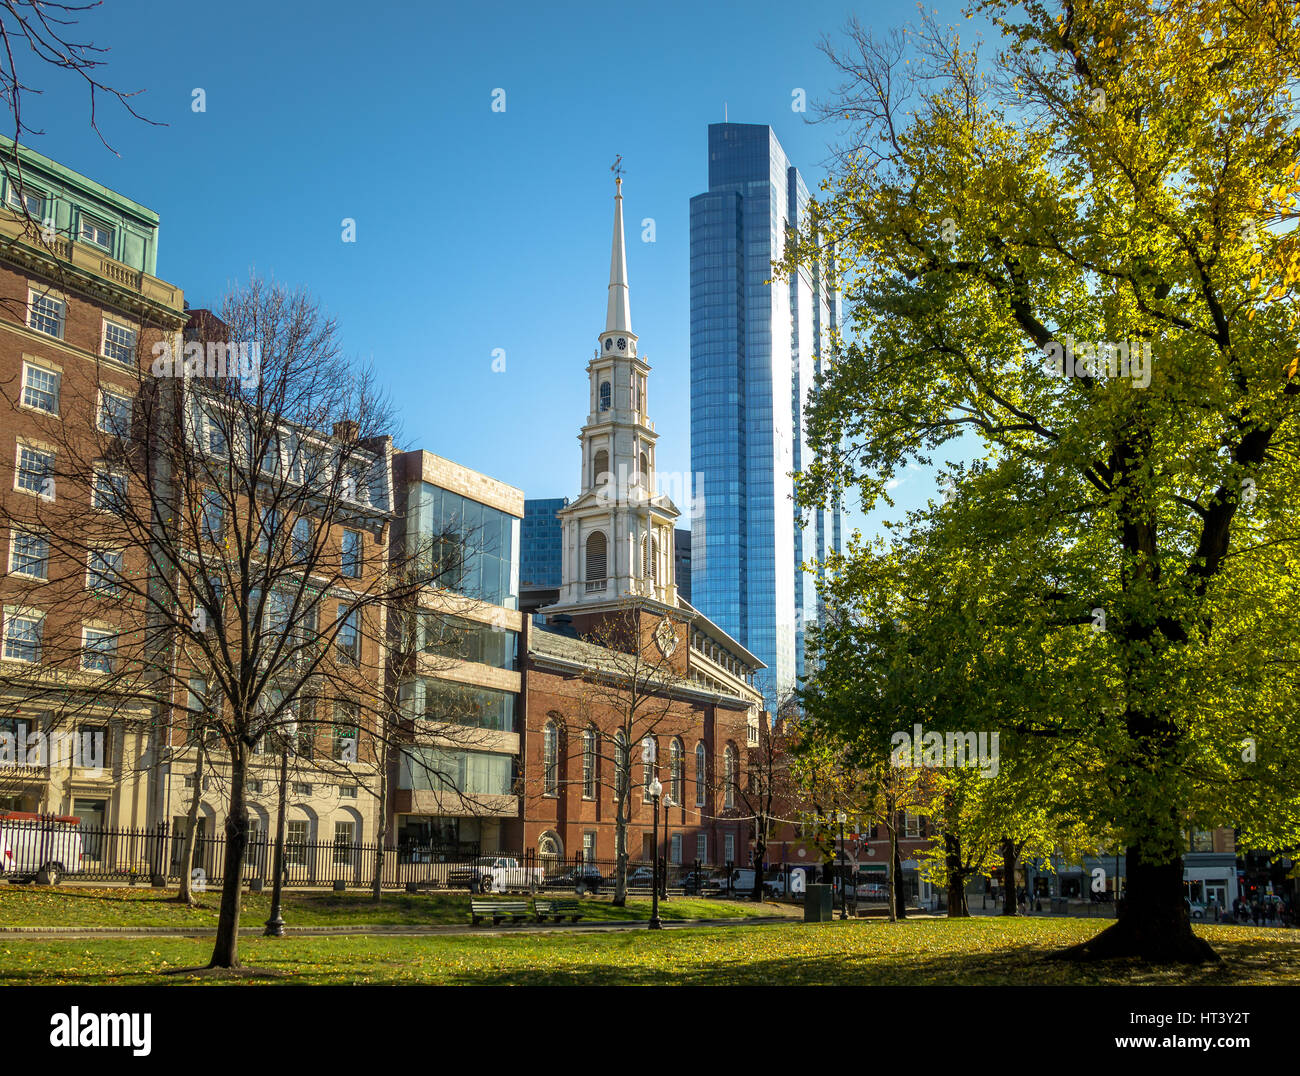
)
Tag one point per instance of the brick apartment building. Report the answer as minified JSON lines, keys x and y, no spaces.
{"x":79,"y":303}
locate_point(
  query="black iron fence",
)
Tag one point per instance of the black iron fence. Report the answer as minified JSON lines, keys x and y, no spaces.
{"x":51,"y":852}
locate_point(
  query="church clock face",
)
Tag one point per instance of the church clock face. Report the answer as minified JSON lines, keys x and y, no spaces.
{"x":666,"y":637}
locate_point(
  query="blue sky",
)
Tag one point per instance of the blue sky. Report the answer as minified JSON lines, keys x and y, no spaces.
{"x":475,"y":229}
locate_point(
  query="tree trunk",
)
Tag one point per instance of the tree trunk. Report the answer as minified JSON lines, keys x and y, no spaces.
{"x":1009,"y":857}
{"x":620,"y":846}
{"x":957,"y":908}
{"x":186,"y":896}
{"x":760,"y":853}
{"x":899,"y":894}
{"x":1153,"y":920}
{"x":225,"y":953}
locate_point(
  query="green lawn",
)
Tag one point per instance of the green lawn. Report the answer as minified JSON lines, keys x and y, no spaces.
{"x":76,"y":906}
{"x":983,"y":951}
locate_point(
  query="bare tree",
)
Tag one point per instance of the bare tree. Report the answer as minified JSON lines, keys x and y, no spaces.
{"x":230,"y":523}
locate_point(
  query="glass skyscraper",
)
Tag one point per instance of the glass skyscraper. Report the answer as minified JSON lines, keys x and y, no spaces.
{"x":755,"y":352}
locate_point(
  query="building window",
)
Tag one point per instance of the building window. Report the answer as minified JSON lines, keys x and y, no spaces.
{"x":596,"y":557}
{"x":729,"y":848}
{"x":97,"y":650}
{"x":23,"y":636}
{"x":701,"y":773}
{"x":644,"y":473}
{"x":600,"y":468}
{"x":108,"y":491}
{"x":301,"y":788}
{"x":622,"y":763}
{"x":588,"y":846}
{"x":29,"y":201}
{"x":90,"y":747}
{"x":550,"y":759}
{"x":348,"y":792}
{"x":269,"y":525}
{"x":295,"y":840}
{"x":97,"y":233}
{"x":104,"y":571}
{"x":40,"y":388}
{"x":349,"y":638}
{"x":676,"y":771}
{"x":352,"y":554}
{"x":344,"y":839}
{"x":46,"y":314}
{"x":606,"y":395}
{"x":36,"y":471}
{"x":114,"y":414}
{"x":119,"y":343}
{"x":29,"y":555}
{"x":211,"y":523}
{"x":589,"y":764}
{"x":702,"y":847}
{"x":730,"y":775}
{"x":215,"y":425}
{"x":347,"y":731}
{"x":301,"y":538}
{"x":911,"y":825}
{"x":675,"y":856}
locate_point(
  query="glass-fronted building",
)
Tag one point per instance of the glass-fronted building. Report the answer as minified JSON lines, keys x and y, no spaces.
{"x":755,"y":353}
{"x":540,"y":555}
{"x":455,"y":658}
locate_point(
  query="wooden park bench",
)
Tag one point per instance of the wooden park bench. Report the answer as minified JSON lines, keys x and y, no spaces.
{"x":496,"y":910}
{"x":559,"y":910}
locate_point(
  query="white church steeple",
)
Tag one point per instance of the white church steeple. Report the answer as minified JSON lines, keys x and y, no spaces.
{"x":618,"y":533}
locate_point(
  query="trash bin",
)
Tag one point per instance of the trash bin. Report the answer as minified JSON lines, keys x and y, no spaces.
{"x":818,"y":904}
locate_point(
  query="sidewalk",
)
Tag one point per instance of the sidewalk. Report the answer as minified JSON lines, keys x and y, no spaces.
{"x":594,"y":927}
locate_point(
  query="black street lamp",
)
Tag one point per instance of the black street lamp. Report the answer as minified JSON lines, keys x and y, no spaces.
{"x":669,"y":804}
{"x":275,"y":924}
{"x":656,"y":789}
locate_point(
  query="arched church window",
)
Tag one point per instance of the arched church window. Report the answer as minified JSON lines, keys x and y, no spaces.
{"x":600,"y":468}
{"x":606,"y":395}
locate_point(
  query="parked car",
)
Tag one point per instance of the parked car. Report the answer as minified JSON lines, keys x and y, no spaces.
{"x":495,"y":874}
{"x":40,"y":847}
{"x":581,"y":879}
{"x":1195,"y":909}
{"x":697,"y":882}
{"x":641,"y":876}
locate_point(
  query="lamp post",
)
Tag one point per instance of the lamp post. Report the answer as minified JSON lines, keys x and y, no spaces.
{"x":656,"y":789}
{"x":668,"y":845}
{"x":841,"y":817}
{"x":275,"y":924}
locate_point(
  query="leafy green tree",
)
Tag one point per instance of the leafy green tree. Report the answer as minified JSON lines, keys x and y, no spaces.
{"x":1055,"y":261}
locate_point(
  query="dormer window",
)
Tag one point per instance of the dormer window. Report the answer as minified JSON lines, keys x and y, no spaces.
{"x":27,"y":199}
{"x":606,"y":394}
{"x":96,"y":232}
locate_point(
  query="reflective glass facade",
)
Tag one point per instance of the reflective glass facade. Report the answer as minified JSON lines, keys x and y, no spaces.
{"x":474,"y":544}
{"x":754,"y":356}
{"x":541,"y":556}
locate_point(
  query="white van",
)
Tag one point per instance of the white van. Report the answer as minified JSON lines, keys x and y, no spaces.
{"x":742,"y":882}
{"x":44,"y":847}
